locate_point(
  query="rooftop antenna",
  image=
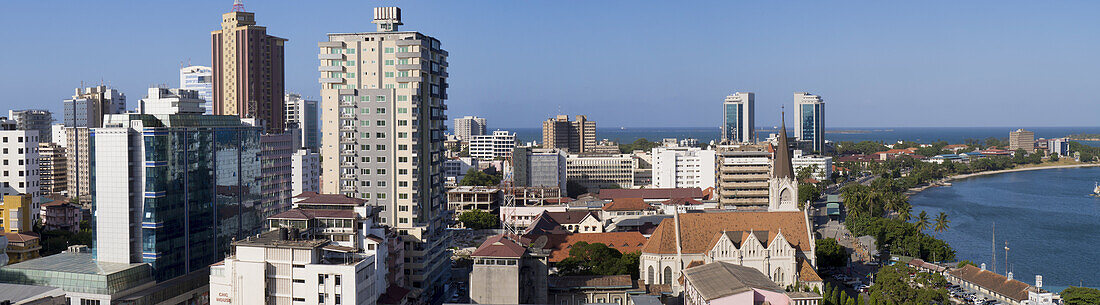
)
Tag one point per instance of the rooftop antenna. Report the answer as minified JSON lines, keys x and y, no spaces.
{"x":237,"y":6}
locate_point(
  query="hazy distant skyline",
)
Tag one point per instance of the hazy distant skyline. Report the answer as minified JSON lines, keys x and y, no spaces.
{"x":621,"y":63}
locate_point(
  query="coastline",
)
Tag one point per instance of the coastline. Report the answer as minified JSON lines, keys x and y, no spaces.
{"x":942,"y":182}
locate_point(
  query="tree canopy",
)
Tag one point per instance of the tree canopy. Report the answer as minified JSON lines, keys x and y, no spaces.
{"x":475,"y":177}
{"x":639,"y":144}
{"x":1080,"y":296}
{"x":598,"y":259}
{"x":830,"y":253}
{"x":478,"y":220}
{"x":893,"y":286}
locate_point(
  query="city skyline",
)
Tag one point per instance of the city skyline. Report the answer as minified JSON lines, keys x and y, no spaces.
{"x":866,"y":58}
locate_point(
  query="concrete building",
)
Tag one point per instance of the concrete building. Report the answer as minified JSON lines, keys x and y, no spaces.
{"x":468,"y":198}
{"x":277,"y":172}
{"x":469,"y":126}
{"x":811,"y":120}
{"x":497,"y":145}
{"x":382,"y":100}
{"x":593,"y":289}
{"x":678,"y":167}
{"x":278,"y":268}
{"x":171,"y":101}
{"x":822,"y":165}
{"x":539,"y":168}
{"x":61,"y":215}
{"x":19,"y":164}
{"x":305,"y":166}
{"x":200,"y":79}
{"x":193,"y":182}
{"x":16,"y":214}
{"x":577,"y":136}
{"x":57,"y":134}
{"x":248,"y":71}
{"x":596,"y":171}
{"x":778,"y":244}
{"x":721,"y":283}
{"x":1021,"y":139}
{"x":506,"y":272}
{"x":738,"y":118}
{"x":52,"y":167}
{"x":456,"y":168}
{"x":302,"y":114}
{"x":1059,"y":146}
{"x":78,"y":163}
{"x":88,"y":106}
{"x":34,"y":119}
{"x":743,"y":173}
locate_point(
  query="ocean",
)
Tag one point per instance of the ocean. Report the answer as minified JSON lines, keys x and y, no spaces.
{"x":952,"y":135}
{"x":1050,"y":223}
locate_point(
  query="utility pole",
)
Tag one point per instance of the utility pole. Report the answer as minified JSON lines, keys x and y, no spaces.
{"x":1006,"y":257}
{"x":994,"y":248}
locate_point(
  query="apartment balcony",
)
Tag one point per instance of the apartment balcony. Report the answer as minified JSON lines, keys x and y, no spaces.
{"x":744,"y":169}
{"x":412,"y":42}
{"x":331,"y":80}
{"x":330,"y":44}
{"x":348,"y":127}
{"x":404,"y":79}
{"x":330,"y":68}
{"x":444,"y":63}
{"x":347,"y":176}
{"x":744,"y":185}
{"x":331,"y":56}
{"x":347,"y":188}
{"x":421,"y":54}
{"x":738,"y":178}
{"x":421,"y":66}
{"x":735,"y":193}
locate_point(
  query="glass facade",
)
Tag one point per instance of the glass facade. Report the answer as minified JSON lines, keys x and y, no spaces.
{"x":76,"y":272}
{"x":731,"y":130}
{"x":811,"y":124}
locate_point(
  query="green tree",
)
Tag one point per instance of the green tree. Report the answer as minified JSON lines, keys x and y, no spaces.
{"x":1080,"y":296}
{"x":479,"y":220}
{"x":964,"y":263}
{"x":475,"y":177}
{"x":830,"y":253}
{"x":942,"y":223}
{"x":807,"y":193}
{"x":598,"y":259}
{"x":922,"y":221}
{"x":1053,"y":157}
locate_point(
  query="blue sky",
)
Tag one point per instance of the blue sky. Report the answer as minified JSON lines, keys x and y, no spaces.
{"x":623,"y":63}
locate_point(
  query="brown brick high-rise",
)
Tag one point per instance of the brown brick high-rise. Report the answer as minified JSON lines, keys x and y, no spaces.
{"x":248,"y":71}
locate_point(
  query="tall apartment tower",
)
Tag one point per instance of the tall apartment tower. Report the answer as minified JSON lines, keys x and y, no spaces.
{"x":33,"y":119}
{"x":469,"y":126}
{"x":301,"y":114}
{"x":199,"y":78}
{"x":248,"y":71}
{"x":83,"y":111}
{"x":578,"y":136}
{"x":52,"y":169}
{"x":811,"y":120}
{"x":382,"y":100}
{"x":738,"y":122}
{"x":1021,"y":139}
{"x":20,"y":165}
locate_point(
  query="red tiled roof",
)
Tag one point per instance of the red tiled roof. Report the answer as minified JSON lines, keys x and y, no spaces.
{"x":697,"y":230}
{"x":655,"y":193}
{"x":626,"y":242}
{"x":499,"y":246}
{"x":591,"y":281}
{"x":315,"y":198}
{"x":1013,"y":289}
{"x":569,"y":217}
{"x":682,"y":201}
{"x":806,"y":273}
{"x":627,"y":204}
{"x":19,"y":237}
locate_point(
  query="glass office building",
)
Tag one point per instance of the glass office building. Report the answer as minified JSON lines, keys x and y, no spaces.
{"x":738,"y":118}
{"x":174,"y":190}
{"x":811,"y":120}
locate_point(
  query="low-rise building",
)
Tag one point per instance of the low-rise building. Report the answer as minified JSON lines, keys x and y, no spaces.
{"x":675,"y":167}
{"x":468,"y":198}
{"x":521,"y":217}
{"x":593,"y":289}
{"x":16,"y":294}
{"x":721,"y":283}
{"x":1002,"y":288}
{"x":506,"y":272}
{"x":621,"y":207}
{"x":570,"y":221}
{"x":21,"y":247}
{"x":99,"y":282}
{"x":16,"y":214}
{"x":61,"y":214}
{"x":822,"y":165}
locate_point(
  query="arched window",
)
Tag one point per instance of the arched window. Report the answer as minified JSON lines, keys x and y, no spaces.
{"x":650,"y":277}
{"x":778,"y":275}
{"x":668,"y":276}
{"x":785,"y":196}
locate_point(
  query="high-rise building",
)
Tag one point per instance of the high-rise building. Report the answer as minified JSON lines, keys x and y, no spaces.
{"x":497,"y":145}
{"x":276,"y":165}
{"x":78,"y":164}
{"x":382,"y":100}
{"x":469,"y":126}
{"x":601,"y":171}
{"x":33,"y":119}
{"x":57,"y":134}
{"x":248,"y":71}
{"x":199,"y":78}
{"x":1021,"y":139}
{"x":683,"y":167}
{"x":301,"y":114}
{"x":173,"y":190}
{"x":811,"y":120}
{"x":743,"y":174}
{"x":89,"y":105}
{"x":19,"y":172}
{"x":52,"y":169}
{"x":738,"y":122}
{"x":539,"y":168}
{"x":305,"y":168}
{"x":578,"y":136}
{"x":173,"y":101}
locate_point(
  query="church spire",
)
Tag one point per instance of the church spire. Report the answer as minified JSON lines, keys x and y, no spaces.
{"x":782,"y":166}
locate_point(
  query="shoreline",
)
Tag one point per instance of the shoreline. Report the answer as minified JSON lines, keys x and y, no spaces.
{"x":917,"y":190}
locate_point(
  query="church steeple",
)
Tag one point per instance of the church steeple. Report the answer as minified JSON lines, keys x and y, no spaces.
{"x":782,"y":166}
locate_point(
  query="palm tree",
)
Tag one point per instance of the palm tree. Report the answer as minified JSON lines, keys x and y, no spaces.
{"x":942,"y":224}
{"x":906,"y":213}
{"x":922,"y":221}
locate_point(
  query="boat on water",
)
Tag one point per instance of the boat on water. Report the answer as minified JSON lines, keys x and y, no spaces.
{"x":1095,"y":190}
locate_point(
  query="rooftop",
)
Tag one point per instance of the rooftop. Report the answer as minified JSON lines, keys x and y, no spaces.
{"x":720,"y":279}
{"x":499,"y":246}
{"x":315,"y":198}
{"x":698,"y":230}
{"x":1013,"y":289}
{"x":272,"y":239}
{"x":69,"y":262}
{"x":652,"y":193}
{"x":474,"y":189}
{"x":300,"y":214}
{"x":627,"y":204}
{"x":625,"y":242}
{"x":591,"y":282}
